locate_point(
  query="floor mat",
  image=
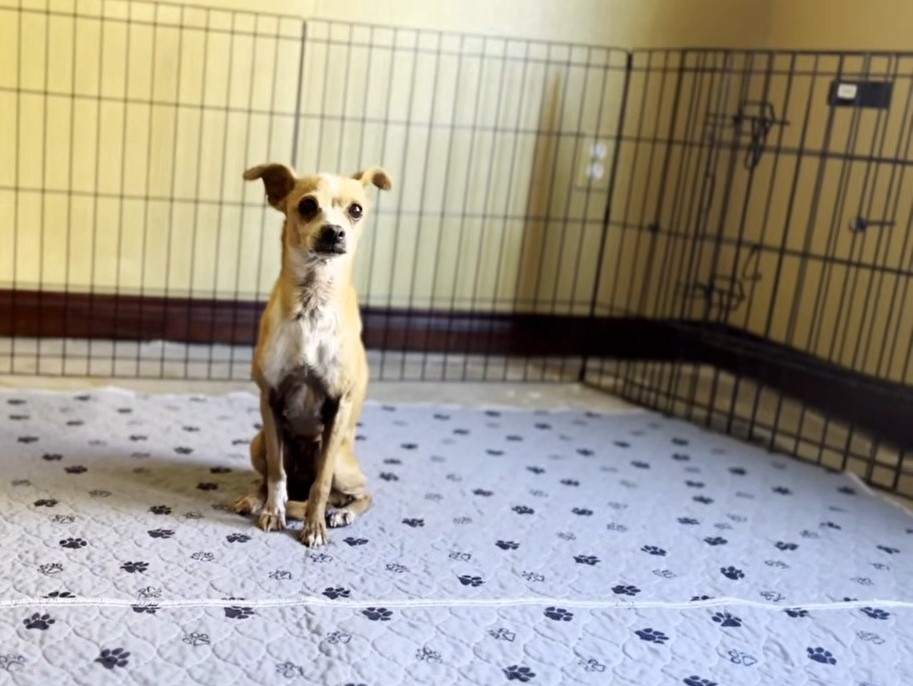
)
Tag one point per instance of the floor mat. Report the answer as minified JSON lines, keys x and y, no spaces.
{"x":504,"y":546}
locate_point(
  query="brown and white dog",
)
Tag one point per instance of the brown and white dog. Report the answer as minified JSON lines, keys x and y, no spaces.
{"x":310,"y":363}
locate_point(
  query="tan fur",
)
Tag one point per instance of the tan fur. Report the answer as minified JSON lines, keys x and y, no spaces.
{"x":312,"y":321}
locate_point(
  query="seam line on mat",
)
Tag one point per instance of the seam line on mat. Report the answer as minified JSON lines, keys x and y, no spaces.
{"x":430,"y":603}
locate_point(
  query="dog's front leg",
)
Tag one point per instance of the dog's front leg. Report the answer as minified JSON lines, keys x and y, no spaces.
{"x":336,"y":418}
{"x":273,"y":514}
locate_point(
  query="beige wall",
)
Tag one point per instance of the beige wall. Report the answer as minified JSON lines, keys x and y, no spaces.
{"x":107,"y":220}
{"x":841,"y":24}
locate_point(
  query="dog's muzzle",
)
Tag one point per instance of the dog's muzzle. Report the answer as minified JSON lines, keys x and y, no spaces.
{"x":331,"y":240}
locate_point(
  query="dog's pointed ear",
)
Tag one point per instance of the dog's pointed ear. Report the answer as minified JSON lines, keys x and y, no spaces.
{"x":278,"y":180}
{"x":374,"y":175}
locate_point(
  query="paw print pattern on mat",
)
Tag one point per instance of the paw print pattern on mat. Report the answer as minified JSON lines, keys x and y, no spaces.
{"x":576,"y":512}
{"x":653,"y":550}
{"x":519,"y":673}
{"x":337,"y":592}
{"x":135,"y":567}
{"x":590,"y":560}
{"x":377,"y":614}
{"x":113,"y":657}
{"x":40,"y":622}
{"x":558,"y":614}
{"x":625,"y":590}
{"x":73,"y":543}
{"x":875,"y":613}
{"x":473,"y":581}
{"x":821,"y":655}
{"x":239,"y":612}
{"x":652,"y":636}
{"x":727,"y":620}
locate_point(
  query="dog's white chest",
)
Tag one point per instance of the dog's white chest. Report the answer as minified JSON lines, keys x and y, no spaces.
{"x":319,"y":344}
{"x":311,"y":340}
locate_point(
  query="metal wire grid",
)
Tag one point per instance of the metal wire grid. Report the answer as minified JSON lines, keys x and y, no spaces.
{"x":749,"y":202}
{"x":486,"y":134}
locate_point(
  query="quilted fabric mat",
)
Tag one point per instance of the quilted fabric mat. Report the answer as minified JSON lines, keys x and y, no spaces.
{"x":504,"y":546}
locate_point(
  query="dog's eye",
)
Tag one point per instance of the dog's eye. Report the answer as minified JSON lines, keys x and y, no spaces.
{"x":355,"y":211}
{"x":308,"y":207}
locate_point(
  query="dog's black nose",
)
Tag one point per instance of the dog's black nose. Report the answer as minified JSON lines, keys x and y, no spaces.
{"x":332,"y":235}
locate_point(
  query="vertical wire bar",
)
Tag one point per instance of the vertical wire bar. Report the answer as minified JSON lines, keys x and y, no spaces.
{"x":296,"y":126}
{"x":363,"y":121}
{"x":568,"y":194}
{"x":883,"y":268}
{"x":610,"y":191}
{"x":518,"y":123}
{"x":824,"y":282}
{"x":571,"y":182}
{"x":146,"y":203}
{"x":705,"y":218}
{"x":835,"y":225}
{"x":625,"y":368}
{"x":693,"y":213}
{"x":344,"y":117}
{"x":765,"y":222}
{"x":70,"y":182}
{"x":388,"y":115}
{"x":199,"y":186}
{"x":585,"y":213}
{"x":558,"y":136}
{"x":214,"y":303}
{"x":92,"y":258}
{"x":726,"y":201}
{"x":239,"y":245}
{"x":529,"y":220}
{"x":625,"y":213}
{"x":171,"y":197}
{"x":787,"y":224}
{"x":402,"y":194}
{"x":653,"y":376}
{"x":462,"y":220}
{"x":873,"y":268}
{"x":882,"y":122}
{"x":318,"y":153}
{"x":485,"y":206}
{"x":421,"y":208}
{"x":725,"y":204}
{"x":271,"y":118}
{"x":122,"y":192}
{"x":17,"y":176}
{"x":838,"y":225}
{"x":443,"y":213}
{"x":44,"y":185}
{"x":812,"y":219}
{"x":901,"y":276}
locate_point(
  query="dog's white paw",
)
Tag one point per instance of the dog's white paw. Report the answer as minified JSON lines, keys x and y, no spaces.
{"x":272,"y":518}
{"x":341,"y":517}
{"x":271,"y":521}
{"x":314,"y":533}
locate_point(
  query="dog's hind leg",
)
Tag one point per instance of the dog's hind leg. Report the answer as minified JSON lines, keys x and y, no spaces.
{"x":296,"y":509}
{"x":252,"y":503}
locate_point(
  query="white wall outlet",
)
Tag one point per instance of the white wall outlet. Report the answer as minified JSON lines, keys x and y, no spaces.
{"x":591,"y":167}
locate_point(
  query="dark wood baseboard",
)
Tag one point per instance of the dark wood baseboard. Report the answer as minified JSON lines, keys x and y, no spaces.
{"x":881,"y":407}
{"x":53,"y":314}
